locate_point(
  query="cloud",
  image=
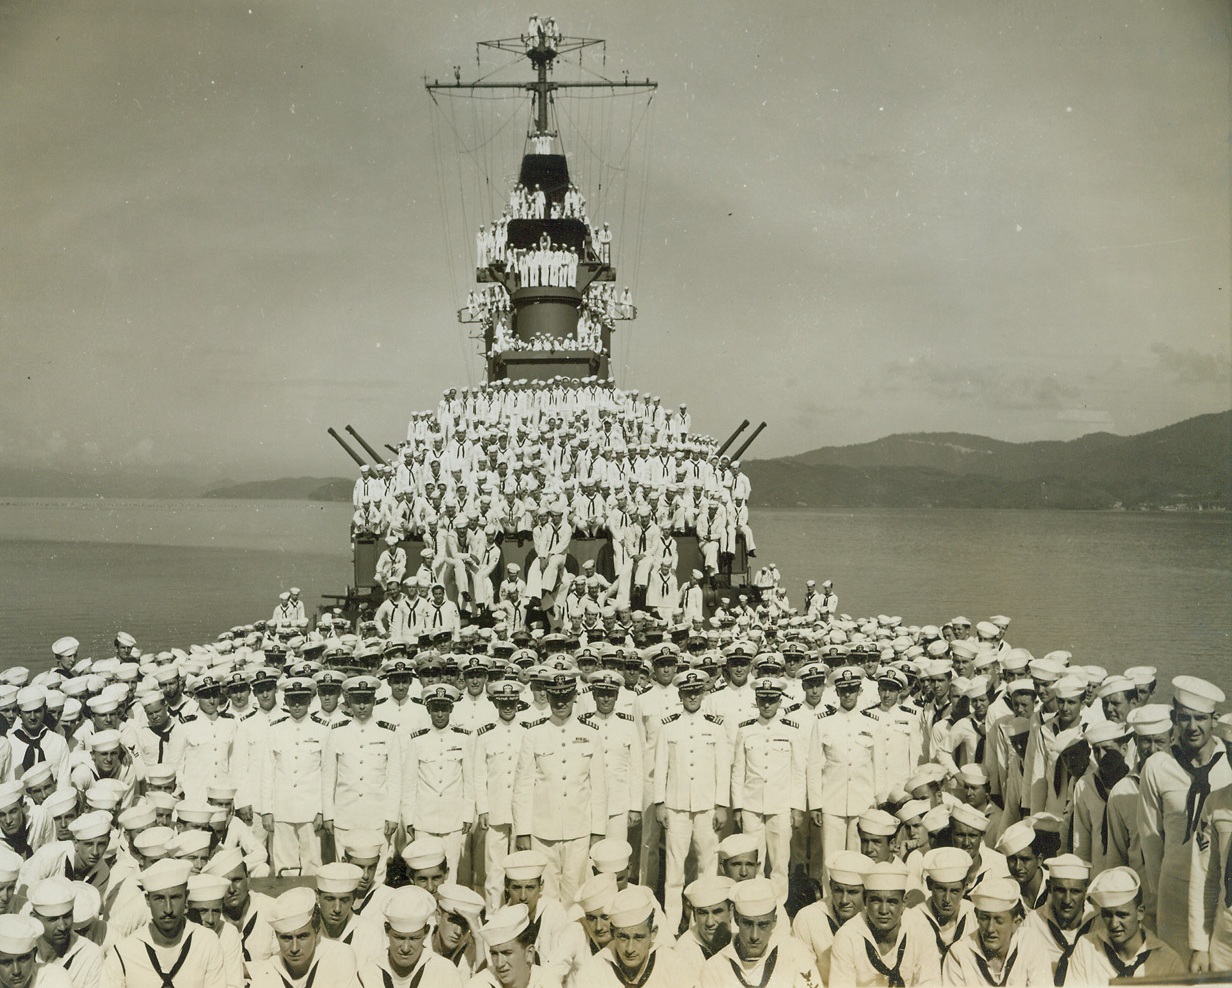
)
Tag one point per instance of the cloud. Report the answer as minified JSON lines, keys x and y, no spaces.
{"x":989,"y":385}
{"x":1189,"y":366}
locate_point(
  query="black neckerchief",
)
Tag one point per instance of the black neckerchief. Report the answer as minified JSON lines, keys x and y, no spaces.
{"x":643,"y":976}
{"x":1005,"y":971}
{"x":312,"y":976}
{"x":942,"y":945}
{"x":34,"y":747}
{"x":1199,"y":787}
{"x":246,"y":932}
{"x":1124,"y":970}
{"x":766,"y":973}
{"x":169,"y":976}
{"x":1067,"y":948}
{"x":893,"y":975}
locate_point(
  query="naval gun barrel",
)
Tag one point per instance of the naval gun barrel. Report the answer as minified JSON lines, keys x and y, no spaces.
{"x":350,"y":452}
{"x":748,"y":442}
{"x":371,"y":452}
{"x":732,"y":438}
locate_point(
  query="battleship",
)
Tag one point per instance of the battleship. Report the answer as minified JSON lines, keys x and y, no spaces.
{"x":544,"y":309}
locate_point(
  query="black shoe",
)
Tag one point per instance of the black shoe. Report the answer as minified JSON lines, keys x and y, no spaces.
{"x":752,"y":553}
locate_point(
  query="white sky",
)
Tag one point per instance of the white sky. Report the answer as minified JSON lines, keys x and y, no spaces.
{"x":223,"y":226}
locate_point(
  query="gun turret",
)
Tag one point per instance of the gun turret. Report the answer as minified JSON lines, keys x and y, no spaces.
{"x":371,"y":452}
{"x":748,"y":442}
{"x":732,"y":438}
{"x":350,"y":452}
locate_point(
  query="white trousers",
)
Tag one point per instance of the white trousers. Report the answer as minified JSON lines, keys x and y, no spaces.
{"x":687,"y":829}
{"x":839,"y":833}
{"x":773,"y":833}
{"x":497,"y":843}
{"x":453,"y":851}
{"x":296,"y":849}
{"x":568,"y":866}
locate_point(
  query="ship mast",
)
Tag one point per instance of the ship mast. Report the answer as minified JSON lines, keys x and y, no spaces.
{"x":553,"y":304}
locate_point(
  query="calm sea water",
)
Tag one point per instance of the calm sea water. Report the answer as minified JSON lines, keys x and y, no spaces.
{"x":1115,"y":589}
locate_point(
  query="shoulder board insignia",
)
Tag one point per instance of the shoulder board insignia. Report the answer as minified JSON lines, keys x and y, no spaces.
{"x":422,"y":731}
{"x":870,"y":712}
{"x":319,"y":719}
{"x":484,"y":729}
{"x":714,"y":719}
{"x":586,"y":723}
{"x":536,"y":723}
{"x":671,"y":717}
{"x":641,"y":690}
{"x":341,"y":723}
{"x":417,"y":699}
{"x":789,"y":723}
{"x":227,"y":716}
{"x":187,"y":718}
{"x":387,"y":725}
{"x":746,"y":723}
{"x":246,"y":714}
{"x":460,"y":730}
{"x":279,"y":720}
{"x":908,"y":708}
{"x":383,"y":699}
{"x":793,"y":707}
{"x":588,"y":714}
{"x":624,"y":716}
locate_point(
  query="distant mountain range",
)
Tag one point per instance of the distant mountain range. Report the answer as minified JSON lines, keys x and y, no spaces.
{"x":1183,"y":466}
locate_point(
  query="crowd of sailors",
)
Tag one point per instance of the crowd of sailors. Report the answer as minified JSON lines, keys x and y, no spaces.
{"x":798,"y":801}
{"x":547,"y":463}
{"x":492,"y":241}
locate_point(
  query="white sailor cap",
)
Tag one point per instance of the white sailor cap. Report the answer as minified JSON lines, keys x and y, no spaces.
{"x":506,"y":924}
{"x":986,"y":629}
{"x":969,"y":816}
{"x":91,"y":826}
{"x":108,"y":740}
{"x":19,"y":934}
{"x":1150,"y":719}
{"x":1068,"y":866}
{"x":1016,"y":837}
{"x":51,"y":897}
{"x":912,"y":808}
{"x":206,"y":888}
{"x":167,"y":873}
{"x":611,"y":855}
{"x":930,"y":773}
{"x":188,"y":811}
{"x":339,"y":878}
{"x":1114,"y":887}
{"x":947,"y":864}
{"x":10,"y":864}
{"x":709,"y":890}
{"x":461,"y":901}
{"x":1046,"y":670}
{"x":877,"y":823}
{"x":124,"y":639}
{"x":363,"y":845}
{"x":996,"y":895}
{"x":1196,"y":694}
{"x":31,"y":697}
{"x":1105,"y":730}
{"x":136,"y":817}
{"x":524,"y":865}
{"x":409,"y":908}
{"x":886,"y":876}
{"x":754,"y":897}
{"x":1142,"y":675}
{"x":596,"y":892}
{"x":293,"y":909}
{"x":1115,"y":684}
{"x":632,"y":906}
{"x":188,"y":842}
{"x":973,"y":774}
{"x":60,"y":802}
{"x":1069,"y":687}
{"x":65,"y":647}
{"x":11,"y":793}
{"x":736,"y":845}
{"x":36,"y":774}
{"x":848,"y":867}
